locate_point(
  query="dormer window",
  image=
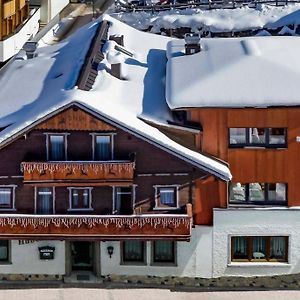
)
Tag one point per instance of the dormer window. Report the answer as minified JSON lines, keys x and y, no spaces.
{"x":56,"y":147}
{"x":103,"y":147}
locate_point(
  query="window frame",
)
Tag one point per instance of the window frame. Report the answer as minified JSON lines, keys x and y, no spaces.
{"x":158,"y":206}
{"x":48,"y":144}
{"x":136,"y":263}
{"x":36,"y":198}
{"x":259,"y":203}
{"x":94,"y":136}
{"x":90,"y":208}
{"x":12,"y":206}
{"x":267,"y":143}
{"x":268,"y":250}
{"x":164,"y":263}
{"x":8,"y":260}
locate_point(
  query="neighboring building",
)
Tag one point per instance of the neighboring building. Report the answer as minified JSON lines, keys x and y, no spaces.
{"x":245,"y":94}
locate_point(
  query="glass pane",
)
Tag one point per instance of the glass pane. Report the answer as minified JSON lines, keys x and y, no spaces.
{"x":133,"y":251}
{"x":259,"y":247}
{"x":86,"y":198}
{"x":256,"y":191}
{"x":277,"y":192}
{"x":239,"y":248}
{"x":257,"y":136}
{"x":44,"y":201}
{"x":237,"y":192}
{"x":167,"y":197}
{"x":164,"y":251}
{"x":57,"y":148}
{"x":278,"y":248}
{"x":75,"y":199}
{"x":237,"y":136}
{"x":103,"y":147}
{"x":5,"y":197}
{"x":3,"y":250}
{"x":277,"y":136}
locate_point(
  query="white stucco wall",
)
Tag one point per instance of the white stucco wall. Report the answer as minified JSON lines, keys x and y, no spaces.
{"x":194,"y":258}
{"x":12,"y":45}
{"x":57,"y":6}
{"x":25,"y":259}
{"x":255,"y":222}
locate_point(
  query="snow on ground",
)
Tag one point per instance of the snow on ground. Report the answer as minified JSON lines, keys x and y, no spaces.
{"x":218,"y":20}
{"x":47,"y":83}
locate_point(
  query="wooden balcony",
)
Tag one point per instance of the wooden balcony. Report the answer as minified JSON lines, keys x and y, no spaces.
{"x":95,"y":227}
{"x":66,"y":172}
{"x":9,"y":9}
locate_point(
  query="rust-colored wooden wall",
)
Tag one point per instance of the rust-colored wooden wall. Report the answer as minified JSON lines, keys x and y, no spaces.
{"x":249,"y":164}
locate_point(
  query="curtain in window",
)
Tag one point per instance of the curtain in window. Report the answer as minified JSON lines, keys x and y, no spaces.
{"x":85,"y":198}
{"x":103,"y":148}
{"x":277,"y":247}
{"x":259,"y":247}
{"x":164,"y":251}
{"x":57,"y":147}
{"x":5,"y":196}
{"x":240,"y":246}
{"x":3,"y":250}
{"x":133,"y":251}
{"x":44,"y":205}
{"x":167,"y":197}
{"x":75,"y":198}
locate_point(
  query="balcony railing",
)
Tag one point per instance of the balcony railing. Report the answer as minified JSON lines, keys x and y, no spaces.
{"x":96,"y":227}
{"x":65,"y":172}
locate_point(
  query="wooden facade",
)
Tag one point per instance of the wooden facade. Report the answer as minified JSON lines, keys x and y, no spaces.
{"x":253,"y":164}
{"x":12,"y":14}
{"x":136,"y":165}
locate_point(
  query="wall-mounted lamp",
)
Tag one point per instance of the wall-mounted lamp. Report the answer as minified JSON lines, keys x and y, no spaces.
{"x":110,"y":251}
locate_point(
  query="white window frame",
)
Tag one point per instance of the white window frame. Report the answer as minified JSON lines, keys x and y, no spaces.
{"x":90,"y":208}
{"x":35,"y":198}
{"x":95,"y":134}
{"x":157,"y":187}
{"x":65,"y":134}
{"x":114,"y":193}
{"x":13,"y":189}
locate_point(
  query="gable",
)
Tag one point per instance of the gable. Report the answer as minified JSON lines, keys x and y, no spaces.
{"x":74,"y":118}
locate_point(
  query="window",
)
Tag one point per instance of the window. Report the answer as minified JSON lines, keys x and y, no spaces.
{"x":259,"y":249}
{"x":103,"y":147}
{"x":57,"y":147}
{"x":257,"y":137}
{"x":123,"y":200}
{"x":44,"y":201}
{"x":7,"y":197}
{"x":166,"y":197}
{"x":258,"y":193}
{"x":4,"y":251}
{"x":163,"y":252}
{"x":80,"y":198}
{"x":133,"y":252}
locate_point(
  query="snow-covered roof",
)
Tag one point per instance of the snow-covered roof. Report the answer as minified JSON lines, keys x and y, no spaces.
{"x":235,"y":72}
{"x":32,"y":90}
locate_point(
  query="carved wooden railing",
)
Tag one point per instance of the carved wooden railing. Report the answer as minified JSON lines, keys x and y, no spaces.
{"x":96,"y":227}
{"x":72,"y":171}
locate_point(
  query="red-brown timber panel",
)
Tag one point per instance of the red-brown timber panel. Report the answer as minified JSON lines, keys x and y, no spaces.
{"x":97,"y":227}
{"x":255,"y":165}
{"x":77,"y":171}
{"x":75,"y":119}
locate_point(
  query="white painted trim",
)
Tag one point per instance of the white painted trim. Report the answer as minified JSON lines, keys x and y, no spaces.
{"x":65,"y":134}
{"x":70,"y":188}
{"x":95,"y":134}
{"x":156,"y":187}
{"x":13,"y":188}
{"x":16,"y":176}
{"x":113,"y":200}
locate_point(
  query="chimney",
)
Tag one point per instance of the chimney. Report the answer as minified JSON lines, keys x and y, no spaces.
{"x":116,"y":68}
{"x":192,"y":43}
{"x":29,"y":48}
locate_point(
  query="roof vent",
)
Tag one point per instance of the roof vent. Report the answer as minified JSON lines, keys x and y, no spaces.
{"x":192,"y":43}
{"x":30,"y":48}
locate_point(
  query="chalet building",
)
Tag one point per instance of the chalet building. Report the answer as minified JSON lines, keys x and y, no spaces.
{"x":245,"y":94}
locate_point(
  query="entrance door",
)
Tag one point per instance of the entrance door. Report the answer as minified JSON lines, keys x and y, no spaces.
{"x":82,"y":256}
